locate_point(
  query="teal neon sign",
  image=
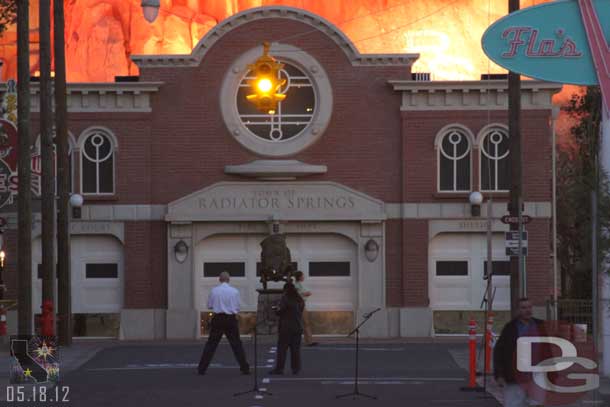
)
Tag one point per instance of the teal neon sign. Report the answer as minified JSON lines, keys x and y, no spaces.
{"x":547,"y":42}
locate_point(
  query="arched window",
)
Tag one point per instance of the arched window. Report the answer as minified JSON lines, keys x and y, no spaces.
{"x":454,"y":159}
{"x":97,"y":163}
{"x":494,"y":159}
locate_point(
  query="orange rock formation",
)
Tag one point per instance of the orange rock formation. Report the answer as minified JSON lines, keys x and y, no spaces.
{"x":102,"y":34}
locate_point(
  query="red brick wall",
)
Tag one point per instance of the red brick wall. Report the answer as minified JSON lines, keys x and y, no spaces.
{"x":539,"y":266}
{"x":133,"y":162}
{"x":415,"y":262}
{"x":191,"y":144}
{"x":421,"y":128}
{"x":145,"y":265}
{"x":393,"y":262}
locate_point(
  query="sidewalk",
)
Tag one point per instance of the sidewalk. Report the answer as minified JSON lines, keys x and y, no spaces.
{"x":594,"y":398}
{"x":71,"y":358}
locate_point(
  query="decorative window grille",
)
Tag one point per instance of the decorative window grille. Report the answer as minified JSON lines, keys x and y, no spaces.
{"x":97,"y":164}
{"x":293,"y":114}
{"x":454,"y":161}
{"x":495,"y":160}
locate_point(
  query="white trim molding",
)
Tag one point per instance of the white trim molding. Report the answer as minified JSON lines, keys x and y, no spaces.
{"x":431,"y":210}
{"x":261,"y":13}
{"x":124,"y":97}
{"x":423,"y":210}
{"x":472,"y":95}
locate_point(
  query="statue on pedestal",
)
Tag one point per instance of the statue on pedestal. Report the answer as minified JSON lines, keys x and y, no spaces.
{"x":276,"y":264}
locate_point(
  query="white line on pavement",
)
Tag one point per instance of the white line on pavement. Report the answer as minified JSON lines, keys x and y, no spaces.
{"x":353,"y":348}
{"x":168,"y":366}
{"x":371,"y":379}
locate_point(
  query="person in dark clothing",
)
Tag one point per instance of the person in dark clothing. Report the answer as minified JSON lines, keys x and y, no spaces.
{"x":290,"y":330}
{"x":505,"y":358}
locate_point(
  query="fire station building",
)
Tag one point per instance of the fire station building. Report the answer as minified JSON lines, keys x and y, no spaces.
{"x":366,"y":168}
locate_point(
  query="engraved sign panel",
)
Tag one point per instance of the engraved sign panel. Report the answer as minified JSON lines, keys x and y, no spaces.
{"x":235,"y":201}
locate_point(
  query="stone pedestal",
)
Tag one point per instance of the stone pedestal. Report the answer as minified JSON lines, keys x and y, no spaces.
{"x":266,"y":317}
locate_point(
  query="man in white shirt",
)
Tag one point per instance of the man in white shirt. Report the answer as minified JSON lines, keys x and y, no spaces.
{"x":224,"y":303}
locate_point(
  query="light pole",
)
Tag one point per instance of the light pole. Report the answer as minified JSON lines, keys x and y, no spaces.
{"x":65,"y":317}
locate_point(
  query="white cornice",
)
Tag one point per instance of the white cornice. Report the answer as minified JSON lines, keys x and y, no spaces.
{"x":259,"y":13}
{"x":472,"y":95}
{"x":423,"y":210}
{"x":275,"y":169}
{"x":124,"y":97}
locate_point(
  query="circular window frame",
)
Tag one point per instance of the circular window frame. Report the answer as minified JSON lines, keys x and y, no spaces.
{"x":322,"y":93}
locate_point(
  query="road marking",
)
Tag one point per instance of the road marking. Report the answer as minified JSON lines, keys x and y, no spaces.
{"x":351,"y":383}
{"x":270,"y":360}
{"x":353,"y":348}
{"x":370,"y":379}
{"x":168,"y":366}
{"x":258,"y":397}
{"x":266,"y":380}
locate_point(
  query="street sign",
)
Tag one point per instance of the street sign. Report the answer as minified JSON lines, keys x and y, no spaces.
{"x":514,"y":220}
{"x":514,"y":251}
{"x":514,"y":236}
{"x":511,"y":243}
{"x":547,"y":42}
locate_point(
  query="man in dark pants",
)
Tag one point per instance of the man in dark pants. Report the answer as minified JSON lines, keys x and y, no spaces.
{"x":512,"y":381}
{"x":224,"y":303}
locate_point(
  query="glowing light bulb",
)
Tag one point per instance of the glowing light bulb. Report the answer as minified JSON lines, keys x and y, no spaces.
{"x":264,"y":85}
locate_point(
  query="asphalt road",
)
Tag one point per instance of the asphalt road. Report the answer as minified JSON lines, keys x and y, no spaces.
{"x":165,"y":375}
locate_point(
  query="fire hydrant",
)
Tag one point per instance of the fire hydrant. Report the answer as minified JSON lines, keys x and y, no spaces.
{"x":46,"y":319}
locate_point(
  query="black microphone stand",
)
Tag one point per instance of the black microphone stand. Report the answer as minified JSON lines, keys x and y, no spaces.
{"x":255,"y":389}
{"x":356,"y":330}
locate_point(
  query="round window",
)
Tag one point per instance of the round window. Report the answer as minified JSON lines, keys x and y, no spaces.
{"x":300,"y":119}
{"x":293,"y":113}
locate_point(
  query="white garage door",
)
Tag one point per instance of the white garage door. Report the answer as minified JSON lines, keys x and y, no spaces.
{"x":456,"y":268}
{"x":328,"y":261}
{"x":96,"y":274}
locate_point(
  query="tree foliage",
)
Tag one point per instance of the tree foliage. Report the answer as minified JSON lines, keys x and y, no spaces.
{"x":578,"y":174}
{"x":8,"y":14}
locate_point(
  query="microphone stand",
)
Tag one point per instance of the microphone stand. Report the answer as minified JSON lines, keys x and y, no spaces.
{"x":255,"y":389}
{"x":356,"y":330}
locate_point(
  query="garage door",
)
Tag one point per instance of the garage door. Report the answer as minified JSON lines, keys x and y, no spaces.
{"x":96,"y":274}
{"x":456,"y":268}
{"x":328,"y":261}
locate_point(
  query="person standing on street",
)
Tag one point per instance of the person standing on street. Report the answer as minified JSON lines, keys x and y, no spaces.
{"x":290,"y":330}
{"x":299,"y":277}
{"x":224,"y":303}
{"x":514,"y":382}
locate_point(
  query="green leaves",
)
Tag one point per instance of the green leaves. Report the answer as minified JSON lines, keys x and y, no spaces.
{"x":578,"y":174}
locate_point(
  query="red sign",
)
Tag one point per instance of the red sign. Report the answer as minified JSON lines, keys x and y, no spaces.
{"x":514,"y":220}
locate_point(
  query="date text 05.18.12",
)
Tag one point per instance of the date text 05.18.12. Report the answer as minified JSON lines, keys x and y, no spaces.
{"x":38,"y":394}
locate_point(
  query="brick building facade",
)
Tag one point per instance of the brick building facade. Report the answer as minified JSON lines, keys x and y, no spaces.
{"x":182,"y":179}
